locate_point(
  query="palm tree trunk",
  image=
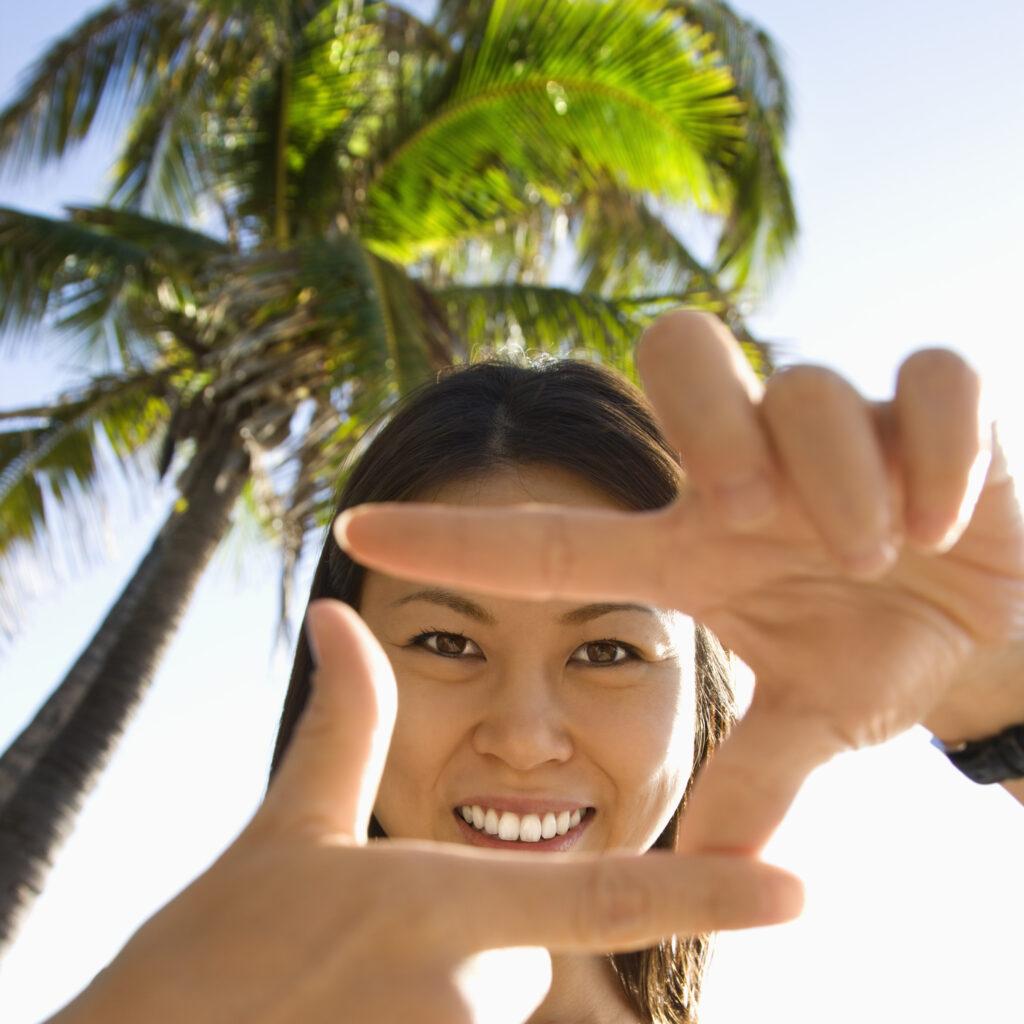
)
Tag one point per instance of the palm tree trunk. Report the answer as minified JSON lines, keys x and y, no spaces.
{"x":51,"y":767}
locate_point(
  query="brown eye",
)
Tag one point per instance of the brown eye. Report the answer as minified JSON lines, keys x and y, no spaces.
{"x":600,"y":653}
{"x":605,"y":652}
{"x":448,"y":645}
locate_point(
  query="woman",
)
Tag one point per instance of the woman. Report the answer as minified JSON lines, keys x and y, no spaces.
{"x":621,"y":725}
{"x":528,"y":704}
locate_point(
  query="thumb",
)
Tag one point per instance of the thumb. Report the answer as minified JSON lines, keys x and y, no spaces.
{"x":328,"y":780}
{"x":744,"y":791}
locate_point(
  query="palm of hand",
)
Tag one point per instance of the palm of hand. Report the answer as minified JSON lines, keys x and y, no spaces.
{"x":859,"y":660}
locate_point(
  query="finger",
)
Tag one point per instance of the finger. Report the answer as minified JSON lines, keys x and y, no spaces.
{"x":705,"y":395}
{"x":745,"y":790}
{"x":605,"y":902}
{"x":558,"y":551}
{"x":825,"y":437}
{"x":944,"y":445}
{"x":328,"y":780}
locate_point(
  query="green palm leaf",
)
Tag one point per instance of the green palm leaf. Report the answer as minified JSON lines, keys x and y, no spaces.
{"x":763,"y":223}
{"x":44,"y":262}
{"x":54,"y":452}
{"x":161,"y":169}
{"x":342,"y":80}
{"x":192,"y":115}
{"x":110,"y":56}
{"x":83,"y":270}
{"x":333,"y":88}
{"x":555,"y":91}
{"x":626,"y":247}
{"x":125,"y":53}
{"x":554,"y":320}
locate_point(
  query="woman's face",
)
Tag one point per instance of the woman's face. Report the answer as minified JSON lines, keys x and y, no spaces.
{"x":591,"y":710}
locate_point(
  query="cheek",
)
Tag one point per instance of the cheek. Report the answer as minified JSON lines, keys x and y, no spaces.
{"x":658,"y":729}
{"x":425,"y":736}
{"x":652,"y":765}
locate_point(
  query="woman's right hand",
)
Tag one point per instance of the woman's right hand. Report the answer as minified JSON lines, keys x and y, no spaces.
{"x":301,"y":919}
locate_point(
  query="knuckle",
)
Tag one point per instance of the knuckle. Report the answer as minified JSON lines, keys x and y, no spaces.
{"x":614,"y":902}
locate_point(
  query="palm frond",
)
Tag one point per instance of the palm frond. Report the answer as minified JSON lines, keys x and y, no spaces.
{"x":161,"y":169}
{"x":112,"y":56}
{"x":555,"y":90}
{"x":419,"y":340}
{"x":762,"y":224}
{"x":81,"y":269}
{"x":42,"y":258}
{"x":169,"y":246}
{"x":558,"y":321}
{"x":752,"y":56}
{"x":343,"y":80}
{"x":342,"y":84}
{"x":190,"y":116}
{"x":377,"y":324}
{"x":627,"y":248}
{"x":51,"y":464}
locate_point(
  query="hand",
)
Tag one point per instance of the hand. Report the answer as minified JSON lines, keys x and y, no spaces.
{"x":888,"y":549}
{"x":302,"y":919}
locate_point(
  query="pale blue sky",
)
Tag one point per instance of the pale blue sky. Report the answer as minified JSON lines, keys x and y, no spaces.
{"x":905,"y":157}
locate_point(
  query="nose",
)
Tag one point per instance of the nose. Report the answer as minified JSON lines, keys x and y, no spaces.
{"x":524,"y":725}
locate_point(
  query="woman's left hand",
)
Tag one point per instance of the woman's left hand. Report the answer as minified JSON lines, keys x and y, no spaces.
{"x":887,"y":562}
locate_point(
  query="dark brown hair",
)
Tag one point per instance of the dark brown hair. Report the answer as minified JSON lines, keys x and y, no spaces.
{"x":567,"y":413}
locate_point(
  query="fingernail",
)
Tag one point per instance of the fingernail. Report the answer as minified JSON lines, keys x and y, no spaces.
{"x":747,"y":502}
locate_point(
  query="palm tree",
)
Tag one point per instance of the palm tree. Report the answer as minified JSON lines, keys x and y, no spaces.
{"x":316,"y":203}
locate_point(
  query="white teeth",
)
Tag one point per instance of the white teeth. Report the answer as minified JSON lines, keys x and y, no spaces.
{"x":508,"y":826}
{"x":528,"y":828}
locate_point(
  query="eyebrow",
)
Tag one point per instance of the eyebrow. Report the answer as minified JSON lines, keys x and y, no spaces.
{"x":456,"y":602}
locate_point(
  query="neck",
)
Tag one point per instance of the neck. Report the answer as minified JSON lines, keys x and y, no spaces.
{"x":584,"y":990}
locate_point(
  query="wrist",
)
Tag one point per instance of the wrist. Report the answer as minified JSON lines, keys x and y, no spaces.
{"x":986,"y":697}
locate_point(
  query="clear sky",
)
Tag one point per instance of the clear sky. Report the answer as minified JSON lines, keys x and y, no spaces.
{"x":905,"y":156}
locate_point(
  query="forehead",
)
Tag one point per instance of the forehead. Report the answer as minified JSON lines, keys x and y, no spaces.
{"x":515,"y":485}
{"x":512,"y":485}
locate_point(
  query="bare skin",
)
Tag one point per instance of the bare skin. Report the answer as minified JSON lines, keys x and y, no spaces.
{"x":882,"y":576}
{"x":525,"y":708}
{"x":883,"y":561}
{"x":302,"y":919}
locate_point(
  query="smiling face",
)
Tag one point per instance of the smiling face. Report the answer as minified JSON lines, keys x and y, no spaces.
{"x":549,"y":701}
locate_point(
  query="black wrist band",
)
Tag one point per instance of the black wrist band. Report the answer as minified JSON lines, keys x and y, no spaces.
{"x":995,"y":759}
